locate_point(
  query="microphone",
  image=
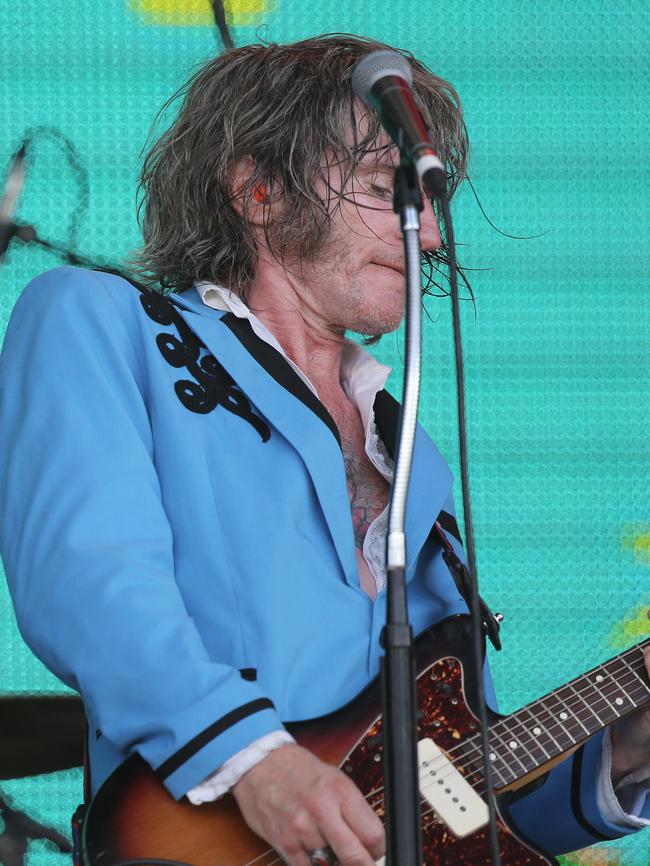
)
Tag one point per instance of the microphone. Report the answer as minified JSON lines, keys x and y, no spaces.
{"x":383,"y":79}
{"x":13,"y":186}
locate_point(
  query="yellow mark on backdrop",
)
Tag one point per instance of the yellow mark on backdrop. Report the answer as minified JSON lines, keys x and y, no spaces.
{"x":592,"y":857}
{"x":634,"y":627}
{"x":183,"y":13}
{"x":637,"y":539}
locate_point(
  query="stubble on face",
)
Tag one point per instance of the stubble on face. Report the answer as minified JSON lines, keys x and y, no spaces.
{"x":345,"y":280}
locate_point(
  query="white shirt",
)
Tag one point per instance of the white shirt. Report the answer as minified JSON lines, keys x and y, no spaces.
{"x":362,"y":377}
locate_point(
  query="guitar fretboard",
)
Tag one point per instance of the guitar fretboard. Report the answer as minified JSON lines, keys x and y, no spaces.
{"x":549,"y":727}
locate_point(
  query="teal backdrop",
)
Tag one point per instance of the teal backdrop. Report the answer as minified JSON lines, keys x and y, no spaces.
{"x":556,"y":98}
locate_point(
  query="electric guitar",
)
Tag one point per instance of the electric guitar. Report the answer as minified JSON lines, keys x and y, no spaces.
{"x":133,"y":817}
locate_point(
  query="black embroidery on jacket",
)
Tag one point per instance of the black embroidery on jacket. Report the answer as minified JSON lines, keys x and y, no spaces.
{"x":213,"y":386}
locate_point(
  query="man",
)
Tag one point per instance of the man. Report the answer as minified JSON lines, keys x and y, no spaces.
{"x":195,"y":484}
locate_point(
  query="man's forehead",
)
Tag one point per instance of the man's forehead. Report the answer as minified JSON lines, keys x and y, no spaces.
{"x":382,"y":154}
{"x":379,"y":161}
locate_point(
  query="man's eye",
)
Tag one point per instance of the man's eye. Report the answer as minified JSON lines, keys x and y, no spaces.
{"x":381,"y":191}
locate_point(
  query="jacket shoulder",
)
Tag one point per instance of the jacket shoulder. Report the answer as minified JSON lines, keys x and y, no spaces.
{"x":77,"y":313}
{"x":80,"y":286}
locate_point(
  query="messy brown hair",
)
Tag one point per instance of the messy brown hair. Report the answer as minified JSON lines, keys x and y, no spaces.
{"x":286,"y":107}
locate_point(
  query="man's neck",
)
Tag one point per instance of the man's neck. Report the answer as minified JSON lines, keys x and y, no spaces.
{"x":311,"y":344}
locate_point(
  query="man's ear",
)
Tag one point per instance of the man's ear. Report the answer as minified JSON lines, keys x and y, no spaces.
{"x":258,"y":200}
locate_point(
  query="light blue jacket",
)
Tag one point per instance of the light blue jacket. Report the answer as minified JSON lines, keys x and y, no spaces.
{"x":174,"y":520}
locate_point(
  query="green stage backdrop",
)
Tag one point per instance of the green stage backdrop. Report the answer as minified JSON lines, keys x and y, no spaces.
{"x":556,"y":102}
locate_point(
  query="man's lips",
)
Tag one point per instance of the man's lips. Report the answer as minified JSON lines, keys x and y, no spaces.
{"x":390,"y":265}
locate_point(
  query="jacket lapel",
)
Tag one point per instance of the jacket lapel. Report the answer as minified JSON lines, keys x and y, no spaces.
{"x":271,"y":384}
{"x":431,"y":478}
{"x":274,"y":388}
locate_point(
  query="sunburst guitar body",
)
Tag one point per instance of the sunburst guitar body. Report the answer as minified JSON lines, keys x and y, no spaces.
{"x":133,"y":817}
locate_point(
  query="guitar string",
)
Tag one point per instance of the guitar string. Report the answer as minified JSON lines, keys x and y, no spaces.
{"x":548,"y":720}
{"x":506,"y":727}
{"x":579,"y":703}
{"x":593,"y":689}
{"x":555,"y":734}
{"x":478,"y":751}
{"x":425,"y":826}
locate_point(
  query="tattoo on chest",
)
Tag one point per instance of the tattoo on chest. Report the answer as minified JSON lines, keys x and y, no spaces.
{"x":367,"y":489}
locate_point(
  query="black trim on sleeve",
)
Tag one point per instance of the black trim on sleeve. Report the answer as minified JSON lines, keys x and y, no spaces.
{"x":197,"y":743}
{"x":504,"y":803}
{"x":278,"y":367}
{"x":576,"y":805}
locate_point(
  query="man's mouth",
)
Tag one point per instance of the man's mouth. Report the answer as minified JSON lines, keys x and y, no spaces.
{"x":391,"y":265}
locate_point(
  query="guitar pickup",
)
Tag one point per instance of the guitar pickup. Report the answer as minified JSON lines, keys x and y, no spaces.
{"x":448,"y":792}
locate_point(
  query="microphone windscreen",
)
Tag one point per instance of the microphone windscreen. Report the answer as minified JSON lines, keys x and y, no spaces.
{"x":376,"y":65}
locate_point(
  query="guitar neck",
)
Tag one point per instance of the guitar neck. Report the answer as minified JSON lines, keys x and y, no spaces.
{"x":544,"y":731}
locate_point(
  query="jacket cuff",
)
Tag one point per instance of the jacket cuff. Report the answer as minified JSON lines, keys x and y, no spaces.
{"x":587,"y":770}
{"x":195,"y":758}
{"x":622,"y":807}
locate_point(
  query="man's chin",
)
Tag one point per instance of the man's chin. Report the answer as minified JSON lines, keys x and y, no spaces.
{"x":378,"y":328}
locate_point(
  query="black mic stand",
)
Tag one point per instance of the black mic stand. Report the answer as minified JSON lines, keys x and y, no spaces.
{"x":402,"y":801}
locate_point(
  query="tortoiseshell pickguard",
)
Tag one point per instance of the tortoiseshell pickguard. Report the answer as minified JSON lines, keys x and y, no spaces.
{"x":445,"y":717}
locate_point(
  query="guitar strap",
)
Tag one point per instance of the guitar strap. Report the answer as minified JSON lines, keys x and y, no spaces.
{"x":463,"y":579}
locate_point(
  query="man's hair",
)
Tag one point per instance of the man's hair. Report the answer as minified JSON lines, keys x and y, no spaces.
{"x":287,"y":107}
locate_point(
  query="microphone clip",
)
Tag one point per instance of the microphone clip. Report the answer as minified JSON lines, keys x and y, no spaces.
{"x":406,"y":190}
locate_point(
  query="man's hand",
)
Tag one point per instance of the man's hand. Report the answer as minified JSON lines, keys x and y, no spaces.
{"x":631,"y":739}
{"x":298,"y":803}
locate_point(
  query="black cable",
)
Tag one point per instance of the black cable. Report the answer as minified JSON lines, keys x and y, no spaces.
{"x":27,"y":233}
{"x":38,"y":133}
{"x":222,"y":25}
{"x":477,"y":626}
{"x":74,"y":258}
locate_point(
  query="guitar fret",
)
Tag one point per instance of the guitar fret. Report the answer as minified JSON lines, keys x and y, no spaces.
{"x":603,"y":695}
{"x":506,"y":765}
{"x":628,"y":687}
{"x":561,"y":719}
{"x":536,"y":731}
{"x":475,"y":763}
{"x":508,"y":754}
{"x":540,"y":729}
{"x":532,"y":727}
{"x":604,"y":710}
{"x":644,"y":686}
{"x":597,"y":702}
{"x":587,"y":707}
{"x":543,"y":726}
{"x":575,"y":707}
{"x":516,"y":736}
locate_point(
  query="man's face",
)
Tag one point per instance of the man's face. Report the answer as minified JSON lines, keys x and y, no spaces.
{"x":355,"y":281}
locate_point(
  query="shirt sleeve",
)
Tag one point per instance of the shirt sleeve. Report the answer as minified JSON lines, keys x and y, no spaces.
{"x":227,"y":776}
{"x":623,"y":805}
